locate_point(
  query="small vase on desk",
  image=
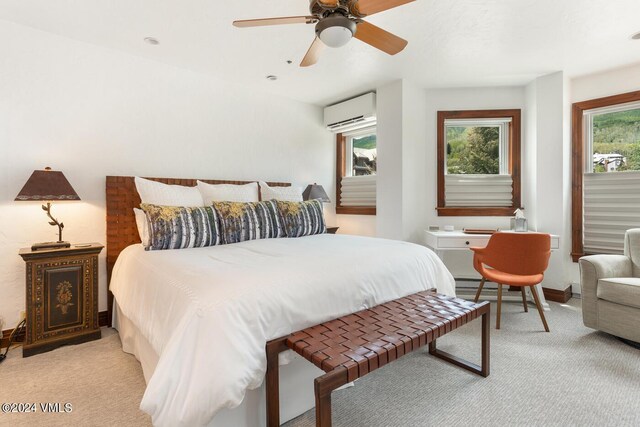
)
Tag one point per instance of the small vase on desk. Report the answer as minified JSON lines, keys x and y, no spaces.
{"x":520,"y":225}
{"x":519,"y":222}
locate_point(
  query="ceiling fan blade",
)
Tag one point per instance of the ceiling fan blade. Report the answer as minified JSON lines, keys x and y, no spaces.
{"x":363,"y":8}
{"x":313,"y":54}
{"x":275,"y":21}
{"x":379,"y":38}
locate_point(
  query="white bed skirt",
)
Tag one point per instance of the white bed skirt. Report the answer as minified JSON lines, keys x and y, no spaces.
{"x":296,"y":381}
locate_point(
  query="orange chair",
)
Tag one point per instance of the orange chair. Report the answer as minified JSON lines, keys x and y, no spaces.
{"x":515,"y":259}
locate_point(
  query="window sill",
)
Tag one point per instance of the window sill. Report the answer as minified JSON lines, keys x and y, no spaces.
{"x":475,"y":211}
{"x":355,"y":210}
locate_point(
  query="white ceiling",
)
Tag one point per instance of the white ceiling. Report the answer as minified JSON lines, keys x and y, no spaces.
{"x":452,"y":43}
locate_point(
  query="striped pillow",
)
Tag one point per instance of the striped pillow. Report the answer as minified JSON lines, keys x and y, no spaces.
{"x":175,"y":227}
{"x":302,"y":218}
{"x":248,"y":221}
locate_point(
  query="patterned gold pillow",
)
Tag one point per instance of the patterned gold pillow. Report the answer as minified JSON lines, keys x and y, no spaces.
{"x":248,"y":221}
{"x":302,"y":218}
{"x":174,"y":227}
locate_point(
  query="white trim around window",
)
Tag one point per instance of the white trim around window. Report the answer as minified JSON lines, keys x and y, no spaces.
{"x":478,"y":190}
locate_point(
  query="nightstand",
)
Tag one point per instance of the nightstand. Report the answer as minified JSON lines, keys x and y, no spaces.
{"x":62,"y":297}
{"x":332,"y":230}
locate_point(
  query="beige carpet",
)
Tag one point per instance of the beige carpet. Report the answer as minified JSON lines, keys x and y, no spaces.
{"x":104,"y":385}
{"x":572,"y":376}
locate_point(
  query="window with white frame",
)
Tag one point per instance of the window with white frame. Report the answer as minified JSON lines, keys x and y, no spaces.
{"x":478,"y":156}
{"x":358,"y":183}
{"x":477,"y":147}
{"x":611,"y":181}
{"x":363,"y":154}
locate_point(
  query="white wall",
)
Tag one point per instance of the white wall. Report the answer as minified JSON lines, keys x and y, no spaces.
{"x":92,"y":112}
{"x":530,"y":153}
{"x":613,"y":82}
{"x":361,"y":225}
{"x":389,"y":192}
{"x":547,"y":178}
{"x":407,"y":161}
{"x":415,"y":174}
{"x":460,"y":263}
{"x":402,"y":151}
{"x":407,"y":164}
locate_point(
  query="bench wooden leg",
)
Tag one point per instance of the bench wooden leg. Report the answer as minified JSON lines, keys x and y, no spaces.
{"x":324,"y":386}
{"x":483,"y":369}
{"x":274,"y":348}
{"x":486,"y":342}
{"x":323,"y":407}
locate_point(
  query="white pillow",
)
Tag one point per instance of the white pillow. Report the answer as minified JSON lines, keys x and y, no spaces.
{"x":285,"y":194}
{"x":228,"y":192}
{"x":157,"y":193}
{"x":143,"y":228}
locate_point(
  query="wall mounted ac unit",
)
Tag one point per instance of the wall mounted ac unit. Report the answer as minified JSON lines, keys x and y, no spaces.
{"x":350,"y":115}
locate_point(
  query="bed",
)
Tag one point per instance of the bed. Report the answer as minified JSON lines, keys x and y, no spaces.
{"x":198,"y":319}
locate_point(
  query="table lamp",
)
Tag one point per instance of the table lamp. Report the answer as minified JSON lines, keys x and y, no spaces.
{"x":48,"y":185}
{"x":315,"y":191}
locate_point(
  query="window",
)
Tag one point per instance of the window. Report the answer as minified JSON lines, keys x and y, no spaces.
{"x":361,"y":147}
{"x":606,"y":173}
{"x":357,"y":165}
{"x":477,"y":147}
{"x":478,"y":163}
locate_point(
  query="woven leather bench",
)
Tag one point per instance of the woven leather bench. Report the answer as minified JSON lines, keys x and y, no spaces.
{"x":351,"y":346}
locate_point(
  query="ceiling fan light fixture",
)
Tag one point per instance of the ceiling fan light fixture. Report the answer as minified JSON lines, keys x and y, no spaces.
{"x":336,"y":30}
{"x":336,"y":36}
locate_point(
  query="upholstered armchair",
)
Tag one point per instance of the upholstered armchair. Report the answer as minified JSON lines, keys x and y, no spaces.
{"x":611,"y":290}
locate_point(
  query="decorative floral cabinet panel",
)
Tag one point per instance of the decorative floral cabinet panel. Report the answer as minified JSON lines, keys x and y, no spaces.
{"x":61,"y":297}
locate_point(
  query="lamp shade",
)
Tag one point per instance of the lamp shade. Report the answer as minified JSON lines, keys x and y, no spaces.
{"x":315,"y":191}
{"x":47,"y":185}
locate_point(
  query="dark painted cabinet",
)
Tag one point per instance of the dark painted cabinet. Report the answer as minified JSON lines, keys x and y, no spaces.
{"x":61,"y":297}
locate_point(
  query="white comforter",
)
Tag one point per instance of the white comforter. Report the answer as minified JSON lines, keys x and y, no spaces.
{"x":208,"y":312}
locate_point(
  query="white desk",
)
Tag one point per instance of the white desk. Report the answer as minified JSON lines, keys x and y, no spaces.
{"x":457,"y":240}
{"x":441,"y":241}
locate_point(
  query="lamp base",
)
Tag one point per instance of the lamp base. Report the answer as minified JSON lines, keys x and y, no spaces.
{"x":50,"y":245}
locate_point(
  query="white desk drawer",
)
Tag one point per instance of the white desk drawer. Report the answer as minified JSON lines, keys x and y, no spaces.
{"x":462,"y":242}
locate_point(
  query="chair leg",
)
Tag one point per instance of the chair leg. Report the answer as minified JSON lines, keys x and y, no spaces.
{"x":479,"y":290}
{"x":540,"y":310}
{"x":524,"y":299}
{"x":499,"y":306}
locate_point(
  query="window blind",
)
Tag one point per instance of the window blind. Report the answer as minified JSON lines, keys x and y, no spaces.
{"x":358,"y":191}
{"x":479,"y":190}
{"x":611,"y":206}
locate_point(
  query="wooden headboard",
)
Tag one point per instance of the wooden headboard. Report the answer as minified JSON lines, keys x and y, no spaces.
{"x":122,"y":197}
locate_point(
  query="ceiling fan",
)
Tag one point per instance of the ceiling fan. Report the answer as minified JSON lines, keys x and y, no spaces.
{"x":337,"y":21}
